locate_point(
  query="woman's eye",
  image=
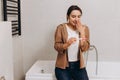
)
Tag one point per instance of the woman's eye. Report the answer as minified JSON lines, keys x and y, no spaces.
{"x":78,"y":16}
{"x":73,"y":16}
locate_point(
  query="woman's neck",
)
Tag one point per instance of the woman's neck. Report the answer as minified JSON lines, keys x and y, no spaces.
{"x":71,"y":26}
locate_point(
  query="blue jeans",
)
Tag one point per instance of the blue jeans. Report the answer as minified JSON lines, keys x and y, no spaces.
{"x":73,"y":72}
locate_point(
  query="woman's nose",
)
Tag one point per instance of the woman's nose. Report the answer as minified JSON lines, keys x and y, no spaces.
{"x":76,"y":19}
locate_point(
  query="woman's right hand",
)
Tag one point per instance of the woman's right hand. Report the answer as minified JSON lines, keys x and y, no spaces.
{"x":69,"y":42}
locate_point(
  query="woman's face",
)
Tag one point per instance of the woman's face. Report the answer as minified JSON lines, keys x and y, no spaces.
{"x":74,"y":17}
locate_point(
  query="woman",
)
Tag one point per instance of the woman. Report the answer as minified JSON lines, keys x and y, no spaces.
{"x":71,"y":41}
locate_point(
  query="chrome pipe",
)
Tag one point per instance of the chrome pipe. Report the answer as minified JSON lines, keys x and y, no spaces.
{"x":92,"y":47}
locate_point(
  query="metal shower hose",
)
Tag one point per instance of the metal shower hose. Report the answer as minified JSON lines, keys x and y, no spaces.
{"x":92,"y":47}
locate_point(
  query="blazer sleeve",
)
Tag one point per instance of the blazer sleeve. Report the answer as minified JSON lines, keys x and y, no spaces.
{"x":86,"y":44}
{"x":58,"y":40}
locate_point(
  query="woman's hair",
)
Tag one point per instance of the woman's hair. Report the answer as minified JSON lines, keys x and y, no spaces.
{"x":71,"y":8}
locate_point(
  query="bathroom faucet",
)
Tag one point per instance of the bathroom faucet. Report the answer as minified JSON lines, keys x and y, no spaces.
{"x":92,"y":47}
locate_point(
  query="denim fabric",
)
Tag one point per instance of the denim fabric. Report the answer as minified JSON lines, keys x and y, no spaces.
{"x":73,"y":72}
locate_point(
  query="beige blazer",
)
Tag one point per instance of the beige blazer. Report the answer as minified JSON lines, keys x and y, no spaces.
{"x":61,"y":36}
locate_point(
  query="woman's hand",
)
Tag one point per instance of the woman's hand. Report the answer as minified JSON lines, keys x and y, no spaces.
{"x":71,"y":40}
{"x":79,"y":27}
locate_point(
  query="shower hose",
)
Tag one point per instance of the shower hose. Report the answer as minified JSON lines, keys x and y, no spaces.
{"x":92,"y":47}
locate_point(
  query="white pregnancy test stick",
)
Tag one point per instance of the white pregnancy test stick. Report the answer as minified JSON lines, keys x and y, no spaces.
{"x":80,"y":38}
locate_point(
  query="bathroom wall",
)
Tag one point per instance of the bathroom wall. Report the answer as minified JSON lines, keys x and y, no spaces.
{"x":39,"y":21}
{"x":6,"y":51}
{"x":18,"y":73}
{"x":18,"y":57}
{"x":40,"y":18}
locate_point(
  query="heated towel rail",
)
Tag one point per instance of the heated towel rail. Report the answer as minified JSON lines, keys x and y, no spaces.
{"x":11,"y":12}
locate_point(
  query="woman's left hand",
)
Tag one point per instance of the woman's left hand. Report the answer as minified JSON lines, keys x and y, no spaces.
{"x":80,"y":28}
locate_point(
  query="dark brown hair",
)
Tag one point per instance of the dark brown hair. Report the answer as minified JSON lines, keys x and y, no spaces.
{"x":71,"y":8}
